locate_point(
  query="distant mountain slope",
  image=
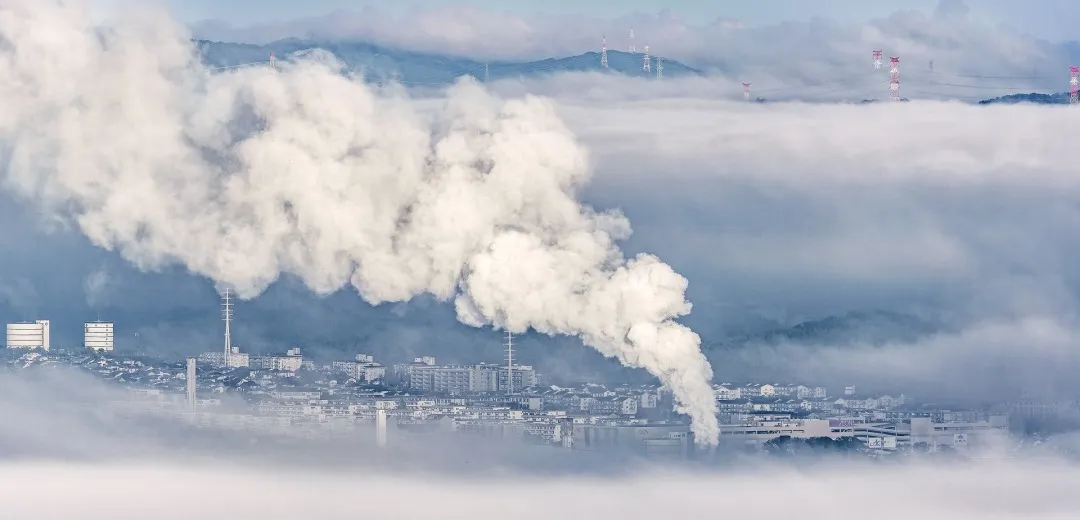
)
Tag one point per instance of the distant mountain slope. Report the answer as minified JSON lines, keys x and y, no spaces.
{"x":871,"y":327}
{"x":1039,"y":99}
{"x":421,"y":68}
{"x":418,"y":68}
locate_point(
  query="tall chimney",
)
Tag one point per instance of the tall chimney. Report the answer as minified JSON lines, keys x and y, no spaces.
{"x":191,"y":383}
{"x":380,"y":428}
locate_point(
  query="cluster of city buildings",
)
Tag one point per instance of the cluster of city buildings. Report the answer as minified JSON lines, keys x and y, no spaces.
{"x":421,"y":397}
{"x":288,"y":393}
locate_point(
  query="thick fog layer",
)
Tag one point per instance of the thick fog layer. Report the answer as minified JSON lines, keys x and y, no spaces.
{"x":992,"y":490}
{"x":101,"y":459}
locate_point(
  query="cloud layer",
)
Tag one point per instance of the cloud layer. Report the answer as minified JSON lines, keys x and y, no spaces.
{"x":64,"y":435}
{"x":947,"y":50}
{"x":1013,"y":490}
{"x":797,"y":211}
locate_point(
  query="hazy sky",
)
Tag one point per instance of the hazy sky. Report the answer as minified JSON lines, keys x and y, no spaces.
{"x":1046,"y":18}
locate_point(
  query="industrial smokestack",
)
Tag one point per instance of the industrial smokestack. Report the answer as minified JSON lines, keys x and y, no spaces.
{"x":380,"y":428}
{"x":474,"y":201}
{"x":192,"y":383}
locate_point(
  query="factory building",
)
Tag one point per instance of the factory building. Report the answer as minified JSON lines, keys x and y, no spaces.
{"x":673,"y":440}
{"x":955,"y":432}
{"x":98,"y":336}
{"x":28,"y":335}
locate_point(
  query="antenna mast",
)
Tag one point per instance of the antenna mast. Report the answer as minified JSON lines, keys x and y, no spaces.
{"x":226,"y":314}
{"x":633,"y":48}
{"x":509,"y":362}
{"x":648,"y":61}
{"x":877,"y":59}
{"x":1074,"y":85}
{"x":603,"y":52}
{"x":894,"y":78}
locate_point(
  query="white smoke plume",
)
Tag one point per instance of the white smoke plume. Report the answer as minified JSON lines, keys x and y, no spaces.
{"x":96,"y":286}
{"x":245,"y":175}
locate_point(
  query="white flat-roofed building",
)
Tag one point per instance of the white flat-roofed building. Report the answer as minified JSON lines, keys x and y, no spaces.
{"x":365,"y":371}
{"x":28,"y":335}
{"x":292,"y":361}
{"x":98,"y":336}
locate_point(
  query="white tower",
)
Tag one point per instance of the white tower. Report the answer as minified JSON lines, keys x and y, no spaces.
{"x":894,"y":78}
{"x":633,"y":47}
{"x":1074,"y":85}
{"x":380,"y":428}
{"x":659,"y":68}
{"x":192,"y":383}
{"x":273,"y":60}
{"x":603,"y":52}
{"x":226,"y":315}
{"x":509,"y":362}
{"x":646,"y":66}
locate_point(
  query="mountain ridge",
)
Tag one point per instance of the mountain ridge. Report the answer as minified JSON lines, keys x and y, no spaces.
{"x":874,"y":327}
{"x":378,"y":63}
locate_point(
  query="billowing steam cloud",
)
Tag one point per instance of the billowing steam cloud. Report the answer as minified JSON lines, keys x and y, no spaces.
{"x":245,"y":175}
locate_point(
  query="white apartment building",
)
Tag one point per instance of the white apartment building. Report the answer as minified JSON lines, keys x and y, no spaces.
{"x":424,"y":375}
{"x":28,"y":335}
{"x":236,"y":359}
{"x":364,"y":368}
{"x":292,"y":361}
{"x":98,"y":336}
{"x":522,"y":376}
{"x":728,"y":392}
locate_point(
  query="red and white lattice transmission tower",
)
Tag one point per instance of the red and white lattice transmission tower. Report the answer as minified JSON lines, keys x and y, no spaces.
{"x":603,"y":52}
{"x":746,"y":90}
{"x":647,"y":65}
{"x":1074,"y":85}
{"x":894,"y":78}
{"x":877,"y":59}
